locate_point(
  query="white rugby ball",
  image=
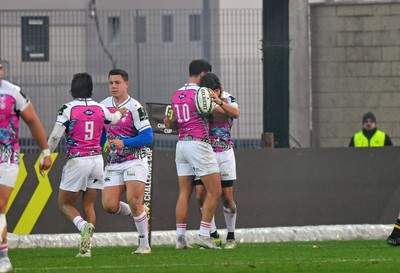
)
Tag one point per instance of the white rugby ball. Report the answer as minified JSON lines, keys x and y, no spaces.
{"x":204,"y":103}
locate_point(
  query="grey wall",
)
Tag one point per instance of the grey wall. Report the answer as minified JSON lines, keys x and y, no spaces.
{"x":355,"y":69}
{"x":299,"y":74}
{"x":275,"y":187}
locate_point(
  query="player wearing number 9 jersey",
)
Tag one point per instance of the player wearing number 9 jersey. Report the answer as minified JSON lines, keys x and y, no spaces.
{"x":82,"y":120}
{"x":194,"y":157}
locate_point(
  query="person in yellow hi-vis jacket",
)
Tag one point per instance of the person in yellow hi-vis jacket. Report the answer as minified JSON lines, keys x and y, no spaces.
{"x":370,"y":136}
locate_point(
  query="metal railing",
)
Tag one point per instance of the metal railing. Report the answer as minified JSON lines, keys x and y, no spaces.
{"x":154,"y":46}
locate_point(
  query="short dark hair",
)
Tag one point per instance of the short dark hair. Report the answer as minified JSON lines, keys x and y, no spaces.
{"x":198,"y":66}
{"x":210,"y":80}
{"x":121,"y":72}
{"x":82,"y":85}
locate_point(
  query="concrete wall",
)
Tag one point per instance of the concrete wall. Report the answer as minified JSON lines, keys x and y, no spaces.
{"x":275,"y":187}
{"x":355,"y":69}
{"x":299,"y":75}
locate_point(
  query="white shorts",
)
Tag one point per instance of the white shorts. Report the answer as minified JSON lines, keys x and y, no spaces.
{"x":83,"y":173}
{"x":132,"y":170}
{"x":227,"y":164}
{"x":8,"y":174}
{"x":195,"y":158}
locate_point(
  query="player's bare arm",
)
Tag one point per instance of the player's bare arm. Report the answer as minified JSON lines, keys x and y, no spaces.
{"x":39,"y":135}
{"x":224,"y":110}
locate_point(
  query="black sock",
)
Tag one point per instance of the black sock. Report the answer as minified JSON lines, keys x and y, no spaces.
{"x":214,"y":234}
{"x":231,"y":236}
{"x":396,"y":229}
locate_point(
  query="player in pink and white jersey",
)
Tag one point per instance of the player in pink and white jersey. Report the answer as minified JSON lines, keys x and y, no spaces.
{"x":220,"y":134}
{"x":194,"y":157}
{"x":13,"y":105}
{"x":127,"y":165}
{"x":82,"y":120}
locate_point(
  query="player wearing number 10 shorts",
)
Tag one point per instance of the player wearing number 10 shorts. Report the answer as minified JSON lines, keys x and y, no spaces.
{"x":194,"y":157}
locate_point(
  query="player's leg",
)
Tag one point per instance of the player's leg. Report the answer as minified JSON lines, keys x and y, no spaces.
{"x":74,"y":180}
{"x":212,"y":184}
{"x":227,"y":164}
{"x":8,"y":178}
{"x":200,"y":196}
{"x":185,"y":183}
{"x":134,"y":196}
{"x":394,"y":237}
{"x":135,"y":177}
{"x":204,"y":163}
{"x":88,"y":201}
{"x":114,"y":186}
{"x":181,"y":211}
{"x":66,"y":200}
{"x":5,"y":264}
{"x":110,"y":199}
{"x":230,"y":213}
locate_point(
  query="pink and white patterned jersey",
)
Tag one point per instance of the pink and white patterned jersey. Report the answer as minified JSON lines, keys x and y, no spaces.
{"x":192,"y":125}
{"x":220,"y":132}
{"x":12,"y":103}
{"x":136,"y":121}
{"x":84,"y":121}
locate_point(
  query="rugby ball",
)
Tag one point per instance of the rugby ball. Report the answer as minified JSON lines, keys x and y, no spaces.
{"x":204,"y":103}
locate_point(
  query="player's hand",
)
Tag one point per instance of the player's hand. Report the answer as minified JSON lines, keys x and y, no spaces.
{"x":123,"y":111}
{"x":45,"y":164}
{"x":167,"y":122}
{"x":214,"y":95}
{"x":118,"y":143}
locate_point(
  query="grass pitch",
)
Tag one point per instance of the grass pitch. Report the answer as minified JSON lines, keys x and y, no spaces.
{"x":308,"y":257}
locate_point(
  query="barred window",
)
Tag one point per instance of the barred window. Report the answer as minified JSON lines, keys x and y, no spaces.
{"x":140,"y":29}
{"x":167,"y":28}
{"x":114,"y":30}
{"x":194,"y":27}
{"x":35,"y":38}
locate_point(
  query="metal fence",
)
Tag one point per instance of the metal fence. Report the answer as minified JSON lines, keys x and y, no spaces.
{"x":41,"y":50}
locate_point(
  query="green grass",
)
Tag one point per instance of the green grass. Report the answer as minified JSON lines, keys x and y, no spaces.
{"x":327,"y":256}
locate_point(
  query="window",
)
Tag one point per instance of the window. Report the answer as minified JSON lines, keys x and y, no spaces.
{"x":167,"y":30}
{"x":140,"y":29}
{"x":114,"y":30}
{"x":194,"y":27}
{"x":35,"y":38}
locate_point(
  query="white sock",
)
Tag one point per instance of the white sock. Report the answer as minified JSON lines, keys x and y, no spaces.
{"x":124,"y":209}
{"x":79,"y":222}
{"x":230,"y":218}
{"x":180,"y":229}
{"x":213,"y":227}
{"x":3,"y":250}
{"x":141,"y":223}
{"x":204,"y":229}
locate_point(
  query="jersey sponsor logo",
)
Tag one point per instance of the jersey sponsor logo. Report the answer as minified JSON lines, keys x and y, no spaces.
{"x":225,"y":173}
{"x":182,"y":96}
{"x":131,"y":173}
{"x":142,"y":114}
{"x":89,"y":112}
